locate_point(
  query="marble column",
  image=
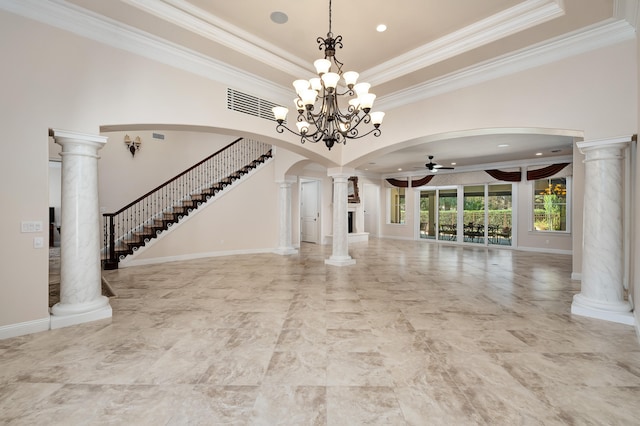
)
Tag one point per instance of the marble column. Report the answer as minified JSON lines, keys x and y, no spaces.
{"x":602,"y":291}
{"x":284,"y":226}
{"x":340,"y":238}
{"x":81,"y":298}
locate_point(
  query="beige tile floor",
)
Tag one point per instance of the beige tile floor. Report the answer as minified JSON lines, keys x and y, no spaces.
{"x":414,"y":333}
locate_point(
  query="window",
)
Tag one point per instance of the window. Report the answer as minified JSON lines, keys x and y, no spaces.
{"x":473,"y":216}
{"x":550,"y":204}
{"x":397,"y":205}
{"x":448,"y":214}
{"x":499,"y":205}
{"x":428,"y":214}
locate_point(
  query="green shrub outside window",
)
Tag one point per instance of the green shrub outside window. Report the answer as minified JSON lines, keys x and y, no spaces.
{"x":550,"y":204}
{"x":397,"y":205}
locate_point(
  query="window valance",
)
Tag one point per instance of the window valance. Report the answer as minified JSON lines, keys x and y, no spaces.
{"x":505,"y":176}
{"x":545,"y":172}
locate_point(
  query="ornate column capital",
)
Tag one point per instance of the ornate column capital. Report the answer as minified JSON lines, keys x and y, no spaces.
{"x":75,"y":139}
{"x":287,"y":180}
{"x":618,"y":142}
{"x":339,"y":172}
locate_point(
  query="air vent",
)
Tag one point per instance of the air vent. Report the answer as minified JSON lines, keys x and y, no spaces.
{"x":248,"y":104}
{"x":158,"y":136}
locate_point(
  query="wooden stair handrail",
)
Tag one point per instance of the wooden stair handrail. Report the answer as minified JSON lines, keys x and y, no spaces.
{"x":173,"y":179}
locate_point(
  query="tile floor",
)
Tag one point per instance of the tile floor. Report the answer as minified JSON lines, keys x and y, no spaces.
{"x":415,"y":333}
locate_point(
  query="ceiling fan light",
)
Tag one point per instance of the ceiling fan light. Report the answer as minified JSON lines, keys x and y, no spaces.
{"x":322,"y":66}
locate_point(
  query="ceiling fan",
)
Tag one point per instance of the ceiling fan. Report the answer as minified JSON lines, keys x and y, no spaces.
{"x":434,"y":167}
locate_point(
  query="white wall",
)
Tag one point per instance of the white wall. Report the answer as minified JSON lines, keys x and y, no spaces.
{"x":123,"y":177}
{"x":241,"y":219}
{"x":81,"y":85}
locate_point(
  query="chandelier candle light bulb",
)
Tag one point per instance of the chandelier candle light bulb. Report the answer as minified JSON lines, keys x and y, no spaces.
{"x":327,"y":122}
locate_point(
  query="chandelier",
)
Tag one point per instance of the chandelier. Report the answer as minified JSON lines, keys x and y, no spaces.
{"x":325,"y":113}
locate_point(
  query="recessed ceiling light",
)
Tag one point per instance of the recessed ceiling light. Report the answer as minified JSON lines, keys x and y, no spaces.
{"x":279,"y":17}
{"x":381,"y":28}
{"x":503,"y":145}
{"x":400,"y":170}
{"x":538,"y":153}
{"x":453,"y":164}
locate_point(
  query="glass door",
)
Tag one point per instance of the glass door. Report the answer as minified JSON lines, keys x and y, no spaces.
{"x":448,"y":214}
{"x":473,"y":218}
{"x":428,"y":210}
{"x":499,"y":203}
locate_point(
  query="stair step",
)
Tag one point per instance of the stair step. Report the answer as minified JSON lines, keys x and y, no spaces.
{"x":200,"y":198}
{"x":150,"y":231}
{"x":170,"y":217}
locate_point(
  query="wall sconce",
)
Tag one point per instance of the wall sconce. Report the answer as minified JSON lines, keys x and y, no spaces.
{"x":133,"y":145}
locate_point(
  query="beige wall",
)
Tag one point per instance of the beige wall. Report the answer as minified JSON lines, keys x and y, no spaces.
{"x":592,"y":94}
{"x":81,"y":85}
{"x":241,"y":219}
{"x":123,"y":177}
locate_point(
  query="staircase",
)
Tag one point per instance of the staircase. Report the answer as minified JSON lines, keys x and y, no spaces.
{"x":144,"y":219}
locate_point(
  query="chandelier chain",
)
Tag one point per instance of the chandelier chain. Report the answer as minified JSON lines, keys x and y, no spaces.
{"x":330,"y":32}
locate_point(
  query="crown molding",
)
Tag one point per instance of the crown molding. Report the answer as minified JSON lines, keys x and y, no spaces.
{"x":183,"y":14}
{"x":514,"y":19}
{"x":495,"y":27}
{"x":597,"y":36}
{"x":82,"y":22}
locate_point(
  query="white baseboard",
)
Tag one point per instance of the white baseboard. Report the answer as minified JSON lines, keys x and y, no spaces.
{"x":576,"y":276}
{"x":353,"y":237}
{"x":22,"y":328}
{"x":68,"y":320}
{"x":545,"y":250}
{"x":135,"y":262}
{"x":286,"y":251}
{"x":391,"y":237}
{"x":626,"y":318}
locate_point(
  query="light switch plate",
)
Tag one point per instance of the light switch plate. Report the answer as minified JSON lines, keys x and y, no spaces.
{"x":30,"y":226}
{"x":38,"y":242}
